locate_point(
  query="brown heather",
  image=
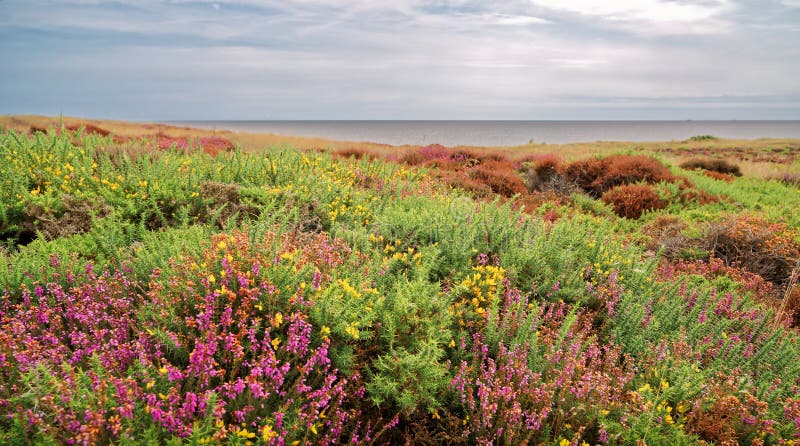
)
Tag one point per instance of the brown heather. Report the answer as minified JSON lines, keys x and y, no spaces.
{"x":712,"y":165}
{"x":632,"y":200}
{"x":596,"y":176}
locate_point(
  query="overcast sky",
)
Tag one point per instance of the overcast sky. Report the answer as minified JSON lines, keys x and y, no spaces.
{"x":402,"y":59}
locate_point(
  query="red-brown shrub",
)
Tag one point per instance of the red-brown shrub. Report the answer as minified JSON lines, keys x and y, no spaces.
{"x":89,"y":129}
{"x":632,"y":200}
{"x":547,"y":166}
{"x":718,"y":176}
{"x":596,"y":176}
{"x":585,"y":172}
{"x":499,"y":176}
{"x":700,"y":197}
{"x":353,"y":152}
{"x":627,"y":169}
{"x":712,"y":165}
{"x":412,"y":158}
{"x":214,"y":145}
{"x":460,"y":180}
{"x":492,"y":156}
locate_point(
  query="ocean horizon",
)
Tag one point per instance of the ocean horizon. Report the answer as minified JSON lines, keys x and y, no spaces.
{"x":507,"y":133}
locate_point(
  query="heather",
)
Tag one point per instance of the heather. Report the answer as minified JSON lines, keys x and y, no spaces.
{"x":158,"y":292}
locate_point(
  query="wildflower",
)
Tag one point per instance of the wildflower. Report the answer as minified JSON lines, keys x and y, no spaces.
{"x":267,"y":433}
{"x":244,"y":433}
{"x":325,"y":330}
{"x":277,"y":320}
{"x":563,"y":442}
{"x":352,"y":330}
{"x":275,"y":343}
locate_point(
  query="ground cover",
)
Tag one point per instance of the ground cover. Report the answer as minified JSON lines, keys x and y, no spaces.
{"x":162,"y":293}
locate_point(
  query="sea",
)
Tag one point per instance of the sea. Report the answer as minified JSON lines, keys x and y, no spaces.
{"x":509,"y":133}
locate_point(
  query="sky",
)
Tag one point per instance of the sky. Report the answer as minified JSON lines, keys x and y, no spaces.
{"x":401,"y":59}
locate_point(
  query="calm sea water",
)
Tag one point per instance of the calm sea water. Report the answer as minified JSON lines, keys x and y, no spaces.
{"x":511,"y":133}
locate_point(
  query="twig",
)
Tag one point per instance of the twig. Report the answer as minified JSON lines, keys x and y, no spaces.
{"x":789,"y":287}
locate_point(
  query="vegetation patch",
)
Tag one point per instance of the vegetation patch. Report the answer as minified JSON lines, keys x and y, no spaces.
{"x":156,"y":294}
{"x":598,"y":175}
{"x":717,"y":165}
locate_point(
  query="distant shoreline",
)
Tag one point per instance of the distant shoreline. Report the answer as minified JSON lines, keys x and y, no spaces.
{"x":488,"y":133}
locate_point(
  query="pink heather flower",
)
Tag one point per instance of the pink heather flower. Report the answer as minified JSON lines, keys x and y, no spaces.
{"x":317,"y":281}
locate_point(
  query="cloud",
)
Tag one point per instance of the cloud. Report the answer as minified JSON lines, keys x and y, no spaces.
{"x":406,"y":59}
{"x":654,"y":17}
{"x":648,"y":10}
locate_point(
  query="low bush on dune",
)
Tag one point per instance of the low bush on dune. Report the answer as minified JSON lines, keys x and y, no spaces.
{"x":354,"y":153}
{"x":500,"y":176}
{"x":540,"y":171}
{"x":713,"y":165}
{"x":632,"y":200}
{"x":596,"y":176}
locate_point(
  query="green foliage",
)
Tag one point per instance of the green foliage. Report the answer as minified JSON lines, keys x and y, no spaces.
{"x":413,"y":333}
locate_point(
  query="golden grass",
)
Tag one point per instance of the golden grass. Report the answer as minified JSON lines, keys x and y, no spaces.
{"x":758,"y":158}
